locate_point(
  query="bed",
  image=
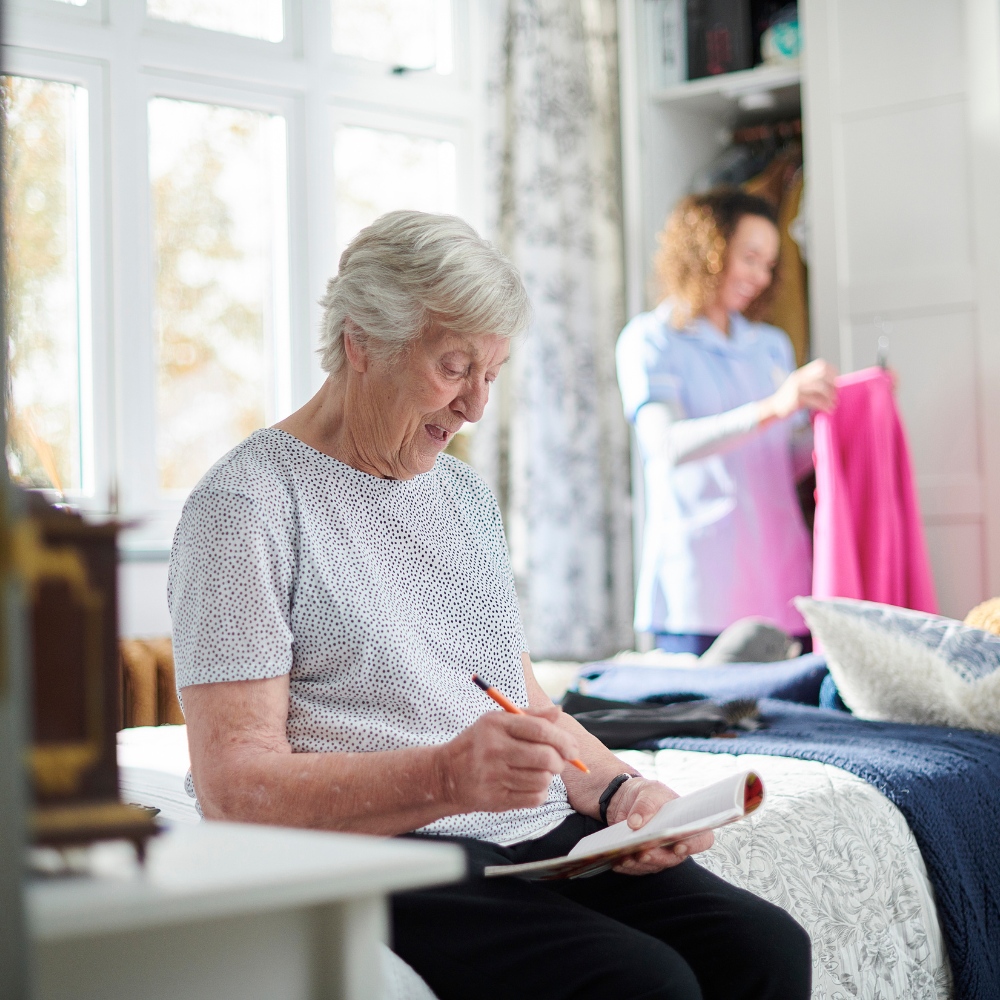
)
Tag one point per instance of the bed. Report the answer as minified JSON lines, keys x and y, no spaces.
{"x":828,"y":847}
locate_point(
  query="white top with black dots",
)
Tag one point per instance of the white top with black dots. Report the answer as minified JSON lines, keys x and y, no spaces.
{"x":379,"y":597}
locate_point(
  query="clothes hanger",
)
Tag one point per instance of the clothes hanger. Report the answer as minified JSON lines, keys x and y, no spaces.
{"x":882,"y":344}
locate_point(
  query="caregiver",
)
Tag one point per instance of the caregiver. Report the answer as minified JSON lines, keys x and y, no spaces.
{"x":720,"y":417}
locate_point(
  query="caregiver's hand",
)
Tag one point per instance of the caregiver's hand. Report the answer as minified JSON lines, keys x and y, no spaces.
{"x":638,"y":801}
{"x":813,"y":387}
{"x":504,"y":761}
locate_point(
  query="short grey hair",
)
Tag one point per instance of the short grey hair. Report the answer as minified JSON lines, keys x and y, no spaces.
{"x":408,"y":271}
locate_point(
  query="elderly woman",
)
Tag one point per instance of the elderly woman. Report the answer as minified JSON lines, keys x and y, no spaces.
{"x":335,"y":581}
{"x":721,"y":416}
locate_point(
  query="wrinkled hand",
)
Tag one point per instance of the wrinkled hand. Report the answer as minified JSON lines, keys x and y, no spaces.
{"x":812,"y":387}
{"x":504,"y":761}
{"x":638,"y":801}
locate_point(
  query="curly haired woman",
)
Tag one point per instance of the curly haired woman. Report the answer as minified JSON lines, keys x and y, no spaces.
{"x":720,"y":416}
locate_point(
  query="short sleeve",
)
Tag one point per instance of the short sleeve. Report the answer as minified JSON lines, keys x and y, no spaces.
{"x":643,"y":361}
{"x":230,"y":589}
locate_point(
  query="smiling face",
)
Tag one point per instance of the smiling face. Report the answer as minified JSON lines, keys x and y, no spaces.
{"x":751,"y":256}
{"x":406,"y":410}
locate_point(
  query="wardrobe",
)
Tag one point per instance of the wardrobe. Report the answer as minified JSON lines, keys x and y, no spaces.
{"x":899,"y":102}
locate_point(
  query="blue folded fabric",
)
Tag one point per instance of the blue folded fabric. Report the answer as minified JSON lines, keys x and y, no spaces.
{"x":786,"y":680}
{"x":946,"y":782}
{"x":829,"y":695}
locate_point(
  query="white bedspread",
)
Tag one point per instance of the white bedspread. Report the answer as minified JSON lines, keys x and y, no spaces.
{"x":827,"y":847}
{"x":838,"y":856}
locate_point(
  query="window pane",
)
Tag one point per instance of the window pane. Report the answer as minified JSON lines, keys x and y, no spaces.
{"x":414,"y":33}
{"x":378,"y":172}
{"x":253,"y":18}
{"x":45,"y":134}
{"x":217,"y":191}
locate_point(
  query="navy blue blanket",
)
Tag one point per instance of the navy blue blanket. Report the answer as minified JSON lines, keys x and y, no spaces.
{"x":946,"y":782}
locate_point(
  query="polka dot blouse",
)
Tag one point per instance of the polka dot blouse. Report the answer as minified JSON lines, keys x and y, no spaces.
{"x":378,"y":597}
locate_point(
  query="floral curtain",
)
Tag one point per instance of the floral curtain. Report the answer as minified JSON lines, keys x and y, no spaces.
{"x":553,"y":443}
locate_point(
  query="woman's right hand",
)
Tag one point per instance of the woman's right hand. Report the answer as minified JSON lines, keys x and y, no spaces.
{"x":813,"y":387}
{"x":504,"y":761}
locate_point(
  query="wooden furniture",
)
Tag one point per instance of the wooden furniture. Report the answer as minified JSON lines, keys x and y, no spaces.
{"x":900,"y":108}
{"x":69,"y":568}
{"x":231,"y":912}
{"x":148,"y":692}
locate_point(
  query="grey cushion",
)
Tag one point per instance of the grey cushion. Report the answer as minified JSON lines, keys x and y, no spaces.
{"x":899,"y":665}
{"x":751,"y":640}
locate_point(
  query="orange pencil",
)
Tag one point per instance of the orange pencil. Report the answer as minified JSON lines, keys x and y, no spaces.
{"x":508,"y":706}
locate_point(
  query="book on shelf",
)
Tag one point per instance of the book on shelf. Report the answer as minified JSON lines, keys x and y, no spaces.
{"x":708,"y":808}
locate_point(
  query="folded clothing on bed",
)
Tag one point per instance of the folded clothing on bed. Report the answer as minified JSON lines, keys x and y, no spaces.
{"x":946,"y":782}
{"x":621,"y":724}
{"x":787,"y":680}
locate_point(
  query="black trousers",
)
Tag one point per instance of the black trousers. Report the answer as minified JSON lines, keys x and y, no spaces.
{"x":681,"y":934}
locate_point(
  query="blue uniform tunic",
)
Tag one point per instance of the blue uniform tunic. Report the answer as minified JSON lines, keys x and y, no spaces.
{"x":724,"y":536}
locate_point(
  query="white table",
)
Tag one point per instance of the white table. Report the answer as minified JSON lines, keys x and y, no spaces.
{"x":226,"y":911}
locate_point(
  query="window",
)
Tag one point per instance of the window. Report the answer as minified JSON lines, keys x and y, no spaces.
{"x":45,"y":253}
{"x":217,"y":191}
{"x":165,"y":263}
{"x":415,"y":34}
{"x":253,"y":18}
{"x":378,"y":171}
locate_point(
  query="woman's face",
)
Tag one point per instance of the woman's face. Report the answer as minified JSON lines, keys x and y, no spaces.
{"x":750,"y":259}
{"x":416,"y":403}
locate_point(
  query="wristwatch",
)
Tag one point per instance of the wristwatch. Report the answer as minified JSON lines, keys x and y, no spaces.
{"x":609,"y":793}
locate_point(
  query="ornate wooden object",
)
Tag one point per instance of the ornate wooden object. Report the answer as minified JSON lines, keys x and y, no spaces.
{"x":70,"y":570}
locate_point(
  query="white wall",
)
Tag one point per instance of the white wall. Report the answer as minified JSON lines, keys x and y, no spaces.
{"x":142,"y":599}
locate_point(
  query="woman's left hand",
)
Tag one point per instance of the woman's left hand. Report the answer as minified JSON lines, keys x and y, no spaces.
{"x":638,"y":801}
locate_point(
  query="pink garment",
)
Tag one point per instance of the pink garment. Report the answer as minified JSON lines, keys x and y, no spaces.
{"x":868,"y":540}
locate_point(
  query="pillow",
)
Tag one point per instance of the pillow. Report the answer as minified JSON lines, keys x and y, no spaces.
{"x":985,"y":616}
{"x":896,"y":665}
{"x":751,"y":640}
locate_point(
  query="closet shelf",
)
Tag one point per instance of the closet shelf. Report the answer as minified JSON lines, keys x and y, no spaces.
{"x":728,"y":94}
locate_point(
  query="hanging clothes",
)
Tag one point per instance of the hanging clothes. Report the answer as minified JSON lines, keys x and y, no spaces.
{"x":868,"y":540}
{"x":788,"y":306}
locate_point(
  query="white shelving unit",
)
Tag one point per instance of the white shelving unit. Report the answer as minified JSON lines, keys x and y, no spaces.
{"x":669,"y":134}
{"x":719,"y":97}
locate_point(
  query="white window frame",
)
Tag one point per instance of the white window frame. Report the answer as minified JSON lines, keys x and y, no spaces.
{"x":93,"y":295}
{"x":423,"y":126}
{"x":123,"y":58}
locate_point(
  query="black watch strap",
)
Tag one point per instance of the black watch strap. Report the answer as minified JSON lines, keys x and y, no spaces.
{"x":609,"y":793}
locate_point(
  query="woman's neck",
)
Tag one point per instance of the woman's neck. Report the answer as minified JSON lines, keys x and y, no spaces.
{"x":718,"y":317}
{"x":324,"y":424}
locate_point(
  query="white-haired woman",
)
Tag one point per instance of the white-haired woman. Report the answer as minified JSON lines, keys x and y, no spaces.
{"x":335,"y":581}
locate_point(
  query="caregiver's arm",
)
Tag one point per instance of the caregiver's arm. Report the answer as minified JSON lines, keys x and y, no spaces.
{"x":244,"y":769}
{"x":663,"y":430}
{"x":636,"y":801}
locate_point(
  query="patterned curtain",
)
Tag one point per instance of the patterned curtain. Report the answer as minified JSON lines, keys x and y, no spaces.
{"x":553,"y":443}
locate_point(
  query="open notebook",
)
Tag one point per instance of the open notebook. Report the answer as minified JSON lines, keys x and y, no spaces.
{"x":724,"y":802}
